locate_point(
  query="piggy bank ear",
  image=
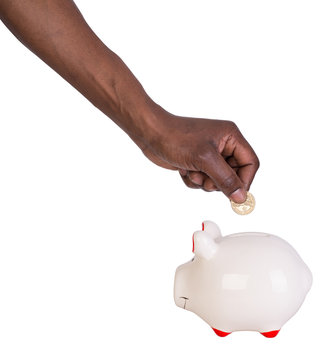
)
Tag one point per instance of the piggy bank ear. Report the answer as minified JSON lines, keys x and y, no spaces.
{"x":204,"y":245}
{"x":211,"y":228}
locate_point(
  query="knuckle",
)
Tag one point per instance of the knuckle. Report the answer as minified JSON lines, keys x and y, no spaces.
{"x":211,"y":187}
{"x":207,"y":190}
{"x":255,"y":162}
{"x":234,"y":130}
{"x":190,"y":185}
{"x":231,"y":124}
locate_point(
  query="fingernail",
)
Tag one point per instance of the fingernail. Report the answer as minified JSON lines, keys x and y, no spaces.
{"x":239,"y":196}
{"x":198,"y":180}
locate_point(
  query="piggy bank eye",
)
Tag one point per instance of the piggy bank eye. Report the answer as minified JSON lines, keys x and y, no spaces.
{"x":192,"y":259}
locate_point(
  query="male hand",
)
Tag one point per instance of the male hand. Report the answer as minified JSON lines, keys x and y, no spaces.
{"x":209,"y":154}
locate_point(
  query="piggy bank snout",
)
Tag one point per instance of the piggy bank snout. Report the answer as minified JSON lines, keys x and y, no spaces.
{"x":181,"y":293}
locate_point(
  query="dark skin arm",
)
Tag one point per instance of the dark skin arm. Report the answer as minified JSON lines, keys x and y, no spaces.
{"x":209,"y":154}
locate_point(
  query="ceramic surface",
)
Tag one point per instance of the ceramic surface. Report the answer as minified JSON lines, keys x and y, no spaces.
{"x":245,"y":281}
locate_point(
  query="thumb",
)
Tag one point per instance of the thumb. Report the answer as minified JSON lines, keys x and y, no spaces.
{"x":223,"y":176}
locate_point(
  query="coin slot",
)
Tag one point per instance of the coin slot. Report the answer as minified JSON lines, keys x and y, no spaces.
{"x":259,"y":234}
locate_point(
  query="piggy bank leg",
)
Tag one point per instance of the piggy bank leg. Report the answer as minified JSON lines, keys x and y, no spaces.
{"x":220,"y":333}
{"x":270,"y":334}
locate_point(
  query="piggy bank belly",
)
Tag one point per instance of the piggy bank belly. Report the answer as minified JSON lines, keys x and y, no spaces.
{"x":253,"y":282}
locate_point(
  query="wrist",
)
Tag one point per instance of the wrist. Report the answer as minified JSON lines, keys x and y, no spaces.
{"x":123,"y":99}
{"x":149,"y":124}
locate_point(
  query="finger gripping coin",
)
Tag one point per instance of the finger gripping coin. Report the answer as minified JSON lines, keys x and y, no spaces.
{"x":246,"y":207}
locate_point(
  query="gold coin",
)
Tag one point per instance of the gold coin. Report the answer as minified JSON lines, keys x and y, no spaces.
{"x":246,"y":207}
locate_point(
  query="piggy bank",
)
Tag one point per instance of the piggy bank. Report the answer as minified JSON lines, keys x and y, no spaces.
{"x":247,"y":281}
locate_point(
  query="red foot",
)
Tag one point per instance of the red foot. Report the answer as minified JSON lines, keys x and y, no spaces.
{"x":202,"y":226}
{"x":270,"y":334}
{"x":193,"y":249}
{"x":220,"y":333}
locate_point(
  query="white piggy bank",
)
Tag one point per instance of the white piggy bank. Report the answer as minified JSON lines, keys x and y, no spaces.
{"x":246,"y":281}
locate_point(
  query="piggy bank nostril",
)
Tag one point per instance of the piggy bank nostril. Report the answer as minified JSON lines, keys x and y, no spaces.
{"x":185,"y":301}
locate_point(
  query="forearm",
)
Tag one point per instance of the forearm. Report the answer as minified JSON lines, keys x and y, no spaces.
{"x":211,"y":154}
{"x":57,"y":33}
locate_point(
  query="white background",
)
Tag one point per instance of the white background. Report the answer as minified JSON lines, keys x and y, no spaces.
{"x":91,"y":231}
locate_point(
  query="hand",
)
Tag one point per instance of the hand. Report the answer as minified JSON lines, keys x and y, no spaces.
{"x":209,"y":154}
